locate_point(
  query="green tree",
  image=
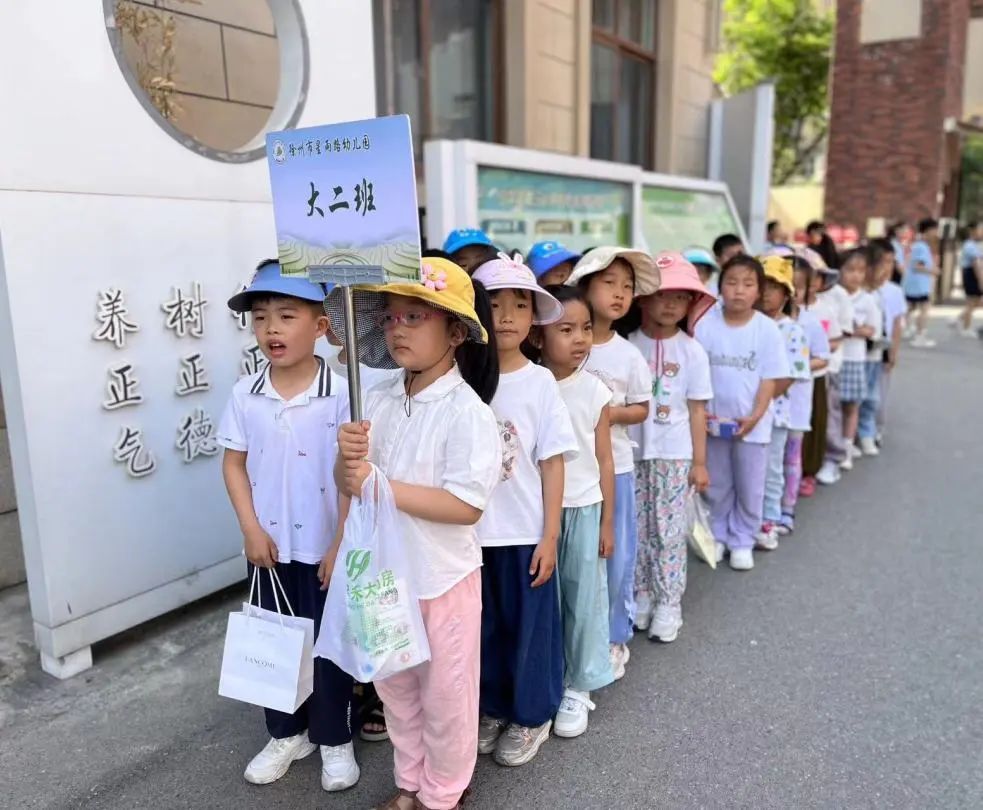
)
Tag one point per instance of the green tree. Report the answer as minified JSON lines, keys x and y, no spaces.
{"x":790,"y":43}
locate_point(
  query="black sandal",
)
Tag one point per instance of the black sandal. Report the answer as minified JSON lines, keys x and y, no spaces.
{"x":371,"y":714}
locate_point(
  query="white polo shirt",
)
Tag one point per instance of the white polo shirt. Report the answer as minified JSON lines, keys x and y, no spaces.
{"x":290,"y":454}
{"x":448,"y":440}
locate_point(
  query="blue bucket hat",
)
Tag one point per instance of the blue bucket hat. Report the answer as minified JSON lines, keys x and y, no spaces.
{"x":463,"y":237}
{"x":698,"y":255}
{"x":544,"y":256}
{"x":267,"y":279}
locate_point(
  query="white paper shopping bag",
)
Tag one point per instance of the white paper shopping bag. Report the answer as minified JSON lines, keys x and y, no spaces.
{"x":268,"y":659}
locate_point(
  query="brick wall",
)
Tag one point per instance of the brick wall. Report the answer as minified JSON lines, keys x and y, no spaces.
{"x":889,"y":104}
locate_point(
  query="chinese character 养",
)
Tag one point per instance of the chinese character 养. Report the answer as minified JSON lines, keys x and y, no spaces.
{"x":196,"y":436}
{"x":191,"y":378}
{"x":112,"y":317}
{"x":184,"y":315}
{"x":129,"y":450}
{"x":122,"y":387}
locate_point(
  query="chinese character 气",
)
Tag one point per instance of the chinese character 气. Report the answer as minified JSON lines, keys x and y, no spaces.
{"x":191,"y":378}
{"x":122,"y":386}
{"x":129,"y":450}
{"x":112,"y":317}
{"x":185,"y":315}
{"x":313,"y":199}
{"x":253,"y":360}
{"x":337,"y":204}
{"x":196,"y":436}
{"x":364,"y":198}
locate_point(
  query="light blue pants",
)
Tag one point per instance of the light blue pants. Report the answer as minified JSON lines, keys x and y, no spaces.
{"x":621,"y":564}
{"x":583,"y":589}
{"x":775,"y":477}
{"x":867,"y":427}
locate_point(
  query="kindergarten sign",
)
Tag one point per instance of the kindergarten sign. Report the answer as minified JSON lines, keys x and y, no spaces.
{"x":344,"y":195}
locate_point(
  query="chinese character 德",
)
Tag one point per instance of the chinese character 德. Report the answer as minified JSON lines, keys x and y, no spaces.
{"x":313,"y":199}
{"x":196,"y":436}
{"x":112,"y":317}
{"x":191,"y":378}
{"x":337,"y":193}
{"x":122,"y":388}
{"x":129,"y":450}
{"x":253,"y":361}
{"x":364,"y":198}
{"x":185,"y":315}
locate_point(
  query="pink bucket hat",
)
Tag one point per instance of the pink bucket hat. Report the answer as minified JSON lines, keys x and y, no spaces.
{"x":505,"y":273}
{"x":679,"y":274}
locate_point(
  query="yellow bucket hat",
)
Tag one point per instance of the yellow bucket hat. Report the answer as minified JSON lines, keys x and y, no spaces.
{"x":780,"y":269}
{"x":443,"y":285}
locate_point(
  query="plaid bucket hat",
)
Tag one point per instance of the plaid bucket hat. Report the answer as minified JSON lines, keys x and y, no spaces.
{"x":444,"y":286}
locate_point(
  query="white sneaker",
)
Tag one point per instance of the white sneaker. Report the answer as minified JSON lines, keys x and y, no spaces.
{"x":970,"y":333}
{"x":923,"y":342}
{"x":847,"y":463}
{"x":489,"y":730}
{"x":665,"y":626}
{"x":868,"y":446}
{"x":643,"y":612}
{"x":276,"y":758}
{"x":721,"y":550}
{"x":828,"y":474}
{"x":767,"y":538}
{"x":339,"y":770}
{"x":910,"y":332}
{"x":571,"y":719}
{"x":741,"y":559}
{"x":618,"y":660}
{"x":856,"y":452}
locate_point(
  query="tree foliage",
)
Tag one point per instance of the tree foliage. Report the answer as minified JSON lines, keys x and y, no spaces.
{"x":790,"y":43}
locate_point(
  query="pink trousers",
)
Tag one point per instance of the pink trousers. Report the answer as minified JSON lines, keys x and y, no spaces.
{"x":432,"y":709}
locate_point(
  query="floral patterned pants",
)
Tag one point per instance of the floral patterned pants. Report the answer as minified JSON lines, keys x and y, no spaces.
{"x":660,"y":493}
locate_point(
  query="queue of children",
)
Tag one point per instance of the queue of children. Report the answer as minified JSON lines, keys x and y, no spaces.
{"x":544,"y":423}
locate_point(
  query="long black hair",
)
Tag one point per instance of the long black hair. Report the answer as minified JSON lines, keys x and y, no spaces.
{"x":563,"y":294}
{"x":478,"y":362}
{"x":801,"y":265}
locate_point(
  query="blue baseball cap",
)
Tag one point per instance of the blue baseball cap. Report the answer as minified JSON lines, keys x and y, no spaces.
{"x":544,"y":256}
{"x":268,"y":280}
{"x":698,"y":255}
{"x":463,"y":237}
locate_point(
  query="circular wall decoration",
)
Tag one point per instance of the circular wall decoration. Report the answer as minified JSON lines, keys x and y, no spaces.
{"x":216,"y":75}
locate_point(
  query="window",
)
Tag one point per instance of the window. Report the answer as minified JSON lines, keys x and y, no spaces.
{"x":889,"y":20}
{"x":437,"y":61}
{"x":623,"y":81}
{"x":212,"y":72}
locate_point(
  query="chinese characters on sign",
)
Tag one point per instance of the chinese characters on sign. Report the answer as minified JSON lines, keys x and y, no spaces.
{"x":184,"y":314}
{"x":196,"y":436}
{"x":364,"y":199}
{"x":122,"y":387}
{"x":129,"y":450}
{"x":253,"y":361}
{"x":313,"y":147}
{"x":191,"y":378}
{"x":113,"y":319}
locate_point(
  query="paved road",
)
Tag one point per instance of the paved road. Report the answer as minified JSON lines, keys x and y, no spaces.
{"x":845,"y":671}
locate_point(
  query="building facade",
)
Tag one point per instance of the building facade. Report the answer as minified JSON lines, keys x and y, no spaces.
{"x":907,"y":104}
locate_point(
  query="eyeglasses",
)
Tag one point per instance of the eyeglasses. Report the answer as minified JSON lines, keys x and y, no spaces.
{"x":388,"y":320}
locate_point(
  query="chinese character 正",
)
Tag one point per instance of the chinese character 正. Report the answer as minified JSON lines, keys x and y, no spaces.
{"x":196,"y":436}
{"x":191,"y":378}
{"x":113,"y":318}
{"x":185,"y":315}
{"x":129,"y":450}
{"x":122,"y":387}
{"x":253,"y":361}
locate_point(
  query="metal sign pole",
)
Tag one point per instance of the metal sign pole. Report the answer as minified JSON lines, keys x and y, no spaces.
{"x":351,"y":352}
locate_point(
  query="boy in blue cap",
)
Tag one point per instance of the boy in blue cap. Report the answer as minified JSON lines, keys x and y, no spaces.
{"x":551,"y":262}
{"x":469,"y":247}
{"x":279,"y":432}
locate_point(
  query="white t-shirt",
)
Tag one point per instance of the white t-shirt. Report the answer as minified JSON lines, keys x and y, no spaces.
{"x":290,"y":455}
{"x":800,"y":394}
{"x":368,"y":377}
{"x":533,"y":425}
{"x":449,"y":441}
{"x":624,"y":371}
{"x":837,"y":300}
{"x":823,"y":312}
{"x":680,"y":372}
{"x":893,"y":305}
{"x":866,"y":312}
{"x":740,"y":358}
{"x":585,"y":397}
{"x":797,"y":346}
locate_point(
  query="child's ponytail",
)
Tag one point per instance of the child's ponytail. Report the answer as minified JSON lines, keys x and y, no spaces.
{"x":478,"y":362}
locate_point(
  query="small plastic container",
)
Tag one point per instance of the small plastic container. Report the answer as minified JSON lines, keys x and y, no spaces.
{"x":722,"y":428}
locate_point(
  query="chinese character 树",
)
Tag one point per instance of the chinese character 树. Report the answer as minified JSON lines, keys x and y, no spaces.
{"x":191,"y":378}
{"x":253,"y":360}
{"x":129,"y":450}
{"x":122,"y":387}
{"x":112,"y":317}
{"x":185,"y":315}
{"x":364,"y":198}
{"x":196,"y":436}
{"x":338,"y":204}
{"x":313,"y":199}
